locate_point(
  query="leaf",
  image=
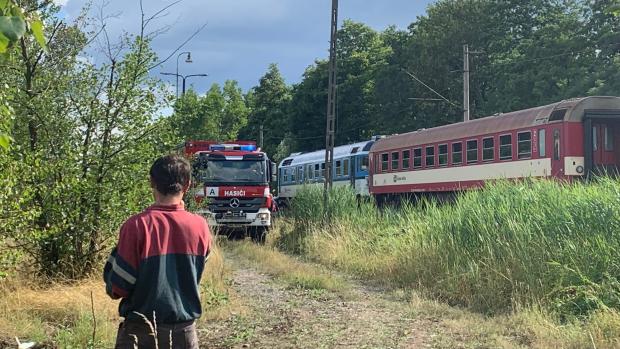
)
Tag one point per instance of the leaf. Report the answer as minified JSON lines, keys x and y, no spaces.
{"x":12,"y":27}
{"x":5,"y":140}
{"x":17,"y":11}
{"x":614,"y":9}
{"x":37,"y":31}
{"x":4,"y":43}
{"x":3,"y":4}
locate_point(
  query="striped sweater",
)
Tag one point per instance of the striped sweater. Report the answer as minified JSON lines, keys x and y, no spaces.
{"x":157,"y":264}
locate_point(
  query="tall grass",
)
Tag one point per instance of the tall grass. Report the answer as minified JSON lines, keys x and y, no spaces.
{"x":507,"y":246}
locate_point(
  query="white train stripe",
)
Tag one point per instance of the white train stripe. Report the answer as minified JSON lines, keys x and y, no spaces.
{"x":512,"y":169}
{"x":290,"y":190}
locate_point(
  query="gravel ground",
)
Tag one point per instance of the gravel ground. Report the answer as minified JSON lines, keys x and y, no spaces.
{"x":278,"y":316}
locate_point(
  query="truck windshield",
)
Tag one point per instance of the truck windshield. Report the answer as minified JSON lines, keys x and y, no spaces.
{"x":232,"y":172}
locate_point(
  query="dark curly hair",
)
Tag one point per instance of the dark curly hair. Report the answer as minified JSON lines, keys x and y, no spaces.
{"x":170,"y":174}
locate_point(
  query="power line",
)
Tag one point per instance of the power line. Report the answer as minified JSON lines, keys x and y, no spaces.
{"x":566,"y":53}
{"x":430,"y":88}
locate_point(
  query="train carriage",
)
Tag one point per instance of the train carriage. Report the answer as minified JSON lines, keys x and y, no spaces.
{"x":350,"y":168}
{"x":568,"y":139}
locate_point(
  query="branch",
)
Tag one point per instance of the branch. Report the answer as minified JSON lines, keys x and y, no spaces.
{"x":49,"y":41}
{"x":178,"y":48}
{"x":154,"y":16}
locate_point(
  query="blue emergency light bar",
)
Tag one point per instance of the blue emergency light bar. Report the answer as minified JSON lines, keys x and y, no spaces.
{"x":232,"y":147}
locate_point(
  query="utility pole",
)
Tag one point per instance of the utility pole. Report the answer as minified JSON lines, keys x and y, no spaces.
{"x":466,"y":82}
{"x":331,"y":104}
{"x":260,"y":137}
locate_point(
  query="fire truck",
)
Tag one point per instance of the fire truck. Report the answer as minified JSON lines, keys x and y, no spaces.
{"x":231,"y":180}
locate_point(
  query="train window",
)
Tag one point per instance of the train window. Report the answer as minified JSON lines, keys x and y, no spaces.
{"x":488,"y":149}
{"x":472,"y":151}
{"x":594,"y":138}
{"x":541,"y":142}
{"x":345,"y":168}
{"x":557,"y":115}
{"x":309,"y":172}
{"x":384,"y":162}
{"x":524,"y":140}
{"x":430,"y":156}
{"x":608,"y":139}
{"x":457,"y":153}
{"x":323,"y":173}
{"x":505,"y":147}
{"x":556,"y":144}
{"x":338,"y":168}
{"x":395,"y":160}
{"x":406,"y":158}
{"x":443,"y":155}
{"x":364,"y":166}
{"x":285,"y":175}
{"x":417,"y":158}
{"x":294,"y":174}
{"x":317,"y":171}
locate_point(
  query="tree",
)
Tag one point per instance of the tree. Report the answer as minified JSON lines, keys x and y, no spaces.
{"x":14,"y":24}
{"x":218,"y":115}
{"x":268,"y":103}
{"x":235,"y":112}
{"x":85,"y":136}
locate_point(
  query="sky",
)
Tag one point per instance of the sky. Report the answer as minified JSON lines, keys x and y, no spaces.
{"x":242,"y":37}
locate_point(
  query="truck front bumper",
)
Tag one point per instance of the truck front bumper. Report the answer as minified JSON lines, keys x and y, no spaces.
{"x":262,"y":218}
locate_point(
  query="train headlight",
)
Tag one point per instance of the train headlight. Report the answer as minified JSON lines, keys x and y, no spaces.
{"x":579,"y":169}
{"x":263,"y":216}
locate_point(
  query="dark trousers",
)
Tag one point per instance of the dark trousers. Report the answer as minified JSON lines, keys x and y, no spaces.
{"x":137,"y":334}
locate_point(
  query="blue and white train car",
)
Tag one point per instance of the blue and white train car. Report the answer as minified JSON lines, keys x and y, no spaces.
{"x":350,"y":168}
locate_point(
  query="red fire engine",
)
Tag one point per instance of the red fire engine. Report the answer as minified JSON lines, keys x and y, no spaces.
{"x":234,"y":178}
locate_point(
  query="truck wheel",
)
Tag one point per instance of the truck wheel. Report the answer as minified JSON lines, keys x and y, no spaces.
{"x":258,"y":235}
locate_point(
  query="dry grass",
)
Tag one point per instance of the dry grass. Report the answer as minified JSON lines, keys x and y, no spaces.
{"x":297,"y":274}
{"x":539,"y":256}
{"x":61,"y":313}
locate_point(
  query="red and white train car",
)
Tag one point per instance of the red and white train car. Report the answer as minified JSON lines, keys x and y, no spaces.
{"x":568,"y":139}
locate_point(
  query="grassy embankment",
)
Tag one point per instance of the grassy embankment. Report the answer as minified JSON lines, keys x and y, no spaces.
{"x":61,"y":315}
{"x":538,"y":256}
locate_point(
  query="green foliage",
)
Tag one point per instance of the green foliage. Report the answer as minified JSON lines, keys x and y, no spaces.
{"x":84,"y":138}
{"x":525,"y":54}
{"x":503,"y":247}
{"x":13,"y":25}
{"x":218,"y":115}
{"x":269,"y":103}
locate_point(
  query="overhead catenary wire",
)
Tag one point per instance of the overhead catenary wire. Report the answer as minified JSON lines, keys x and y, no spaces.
{"x":511,"y":62}
{"x":430,"y":88}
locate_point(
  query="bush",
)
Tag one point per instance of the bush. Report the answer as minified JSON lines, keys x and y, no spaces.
{"x":509,"y":245}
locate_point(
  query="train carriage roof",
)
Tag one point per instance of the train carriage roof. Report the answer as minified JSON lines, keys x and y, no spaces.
{"x":319,"y":155}
{"x":567,"y":110}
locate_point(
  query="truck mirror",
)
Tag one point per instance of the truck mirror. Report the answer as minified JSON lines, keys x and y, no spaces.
{"x":274,"y":171}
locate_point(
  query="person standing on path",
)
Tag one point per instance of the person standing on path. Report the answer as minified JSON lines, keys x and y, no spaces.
{"x":156,"y":267}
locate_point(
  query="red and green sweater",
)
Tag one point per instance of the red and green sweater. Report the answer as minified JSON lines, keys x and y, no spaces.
{"x":157,"y":264}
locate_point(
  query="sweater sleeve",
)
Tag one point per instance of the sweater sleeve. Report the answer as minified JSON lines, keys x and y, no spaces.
{"x":121,"y":270}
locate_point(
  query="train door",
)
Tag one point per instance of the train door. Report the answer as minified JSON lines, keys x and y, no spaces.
{"x":604,"y":158}
{"x":557,"y":168}
{"x":352,"y":169}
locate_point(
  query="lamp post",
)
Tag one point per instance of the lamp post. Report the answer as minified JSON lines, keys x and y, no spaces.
{"x":183,"y":77}
{"x":187,"y":60}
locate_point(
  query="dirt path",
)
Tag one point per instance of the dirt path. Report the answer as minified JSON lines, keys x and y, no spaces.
{"x":277,"y":315}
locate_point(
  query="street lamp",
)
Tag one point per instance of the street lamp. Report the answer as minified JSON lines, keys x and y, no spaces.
{"x":187,"y":60}
{"x":184,"y":77}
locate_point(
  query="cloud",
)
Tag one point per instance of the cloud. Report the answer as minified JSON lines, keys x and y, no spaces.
{"x":61,"y":2}
{"x":243,"y":37}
